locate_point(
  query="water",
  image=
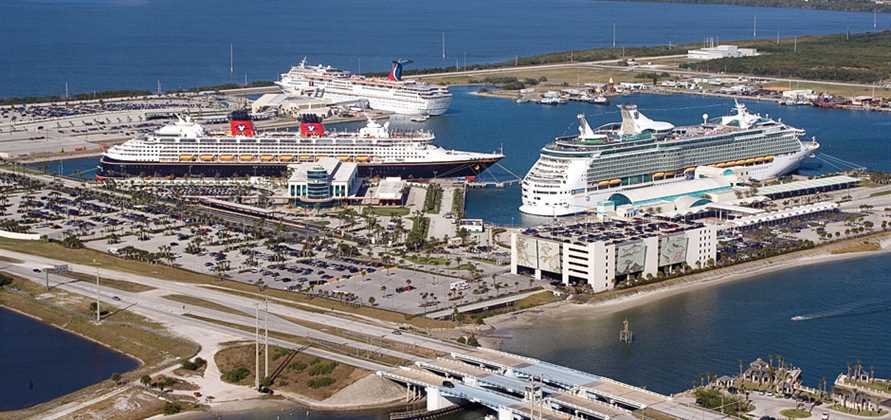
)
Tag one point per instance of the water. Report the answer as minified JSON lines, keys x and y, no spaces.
{"x":132,"y":44}
{"x":710,"y":330}
{"x":40,"y":362}
{"x":485,"y":124}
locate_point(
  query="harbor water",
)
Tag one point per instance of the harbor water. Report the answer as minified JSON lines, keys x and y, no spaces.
{"x":137,"y":44}
{"x":840,"y":310}
{"x":486,"y":124}
{"x":40,"y":362}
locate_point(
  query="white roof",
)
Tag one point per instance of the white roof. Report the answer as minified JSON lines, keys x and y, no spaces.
{"x":672,"y":190}
{"x":339,"y":171}
{"x":807,"y":184}
{"x":389,"y":189}
{"x":780,"y":214}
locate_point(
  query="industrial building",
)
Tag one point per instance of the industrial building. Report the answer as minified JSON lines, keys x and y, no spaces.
{"x":605,"y":253}
{"x":720,"y":51}
{"x":322,"y":182}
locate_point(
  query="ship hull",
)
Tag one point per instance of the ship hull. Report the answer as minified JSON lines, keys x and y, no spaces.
{"x":113,"y":168}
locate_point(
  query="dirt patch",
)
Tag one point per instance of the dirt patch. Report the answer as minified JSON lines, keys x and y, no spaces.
{"x":306,"y":375}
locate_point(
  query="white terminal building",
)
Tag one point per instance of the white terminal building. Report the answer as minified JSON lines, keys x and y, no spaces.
{"x":324,"y":181}
{"x":721,"y":51}
{"x":605,"y":253}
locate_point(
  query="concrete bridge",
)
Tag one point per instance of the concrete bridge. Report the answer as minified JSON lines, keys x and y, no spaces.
{"x":517,"y":387}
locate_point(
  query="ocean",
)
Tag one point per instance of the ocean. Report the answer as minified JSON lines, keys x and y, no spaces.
{"x":137,"y":44}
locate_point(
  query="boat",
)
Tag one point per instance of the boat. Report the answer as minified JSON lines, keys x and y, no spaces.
{"x":375,"y":149}
{"x":392,"y":94}
{"x":206,"y":158}
{"x":600,"y":100}
{"x":420,"y":118}
{"x":522,"y":100}
{"x":636,"y":152}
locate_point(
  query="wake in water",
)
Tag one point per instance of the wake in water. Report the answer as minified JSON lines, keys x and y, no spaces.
{"x":865,"y":307}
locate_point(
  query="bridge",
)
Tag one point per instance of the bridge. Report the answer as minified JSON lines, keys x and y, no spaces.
{"x":518,"y":387}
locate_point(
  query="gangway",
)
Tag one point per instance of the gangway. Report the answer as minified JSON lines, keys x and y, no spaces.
{"x":479,"y":182}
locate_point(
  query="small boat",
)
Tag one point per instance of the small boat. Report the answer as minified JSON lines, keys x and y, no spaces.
{"x":306,"y":158}
{"x":267,"y":158}
{"x":227,"y":158}
{"x":246,"y":158}
{"x":186,"y":157}
{"x":362,"y":159}
{"x":286,"y":158}
{"x":343,"y":158}
{"x":600,"y":100}
{"x":522,"y":100}
{"x":420,"y":118}
{"x":206,"y":158}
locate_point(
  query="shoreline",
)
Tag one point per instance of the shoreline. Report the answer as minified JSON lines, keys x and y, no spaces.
{"x":491,"y":338}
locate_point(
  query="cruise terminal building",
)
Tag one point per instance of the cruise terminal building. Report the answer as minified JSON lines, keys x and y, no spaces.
{"x":606,"y":253}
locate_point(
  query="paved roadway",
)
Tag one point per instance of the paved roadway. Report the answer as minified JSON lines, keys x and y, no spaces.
{"x":372,"y":328}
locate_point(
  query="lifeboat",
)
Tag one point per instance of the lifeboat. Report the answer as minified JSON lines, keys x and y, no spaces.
{"x":246,"y":158}
{"x":760,"y":159}
{"x":206,"y":158}
{"x":362,"y":158}
{"x":186,"y":157}
{"x":658,"y":175}
{"x":227,"y":158}
{"x":690,"y":169}
{"x":285,"y":158}
{"x":668,"y":175}
{"x":615,"y":182}
{"x":603,"y":184}
{"x":721,"y":165}
{"x":267,"y":158}
{"x":306,"y":158}
{"x":343,"y":158}
{"x":751,"y":161}
{"x":768,"y":159}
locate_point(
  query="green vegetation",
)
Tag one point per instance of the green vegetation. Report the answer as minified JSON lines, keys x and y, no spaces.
{"x":433,"y":199}
{"x":844,"y":5}
{"x":108,"y":94}
{"x":865,"y":413}
{"x":863,"y":58}
{"x":320,"y":367}
{"x":234,"y":376}
{"x":795,"y":413}
{"x":458,"y":203}
{"x":725,"y":403}
{"x":297,"y":366}
{"x":426,"y":260}
{"x":196,"y":364}
{"x":5,"y":279}
{"x":387,"y":211}
{"x":417,"y":236}
{"x":880,"y":193}
{"x":320,"y":382}
{"x":191,"y":300}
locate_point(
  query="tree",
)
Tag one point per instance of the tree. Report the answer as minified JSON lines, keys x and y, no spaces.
{"x":72,"y":241}
{"x":145,"y":380}
{"x":116,"y":377}
{"x":371,"y":300}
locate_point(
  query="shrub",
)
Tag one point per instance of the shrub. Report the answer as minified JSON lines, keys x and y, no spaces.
{"x":320,"y":382}
{"x":171,"y":408}
{"x":236,"y":375}
{"x":322,"y":368}
{"x":297,"y":366}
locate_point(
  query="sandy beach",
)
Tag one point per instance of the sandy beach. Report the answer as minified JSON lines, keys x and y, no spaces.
{"x":644,"y":294}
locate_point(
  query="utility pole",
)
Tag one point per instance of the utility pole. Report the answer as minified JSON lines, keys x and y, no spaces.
{"x":443,"y":46}
{"x":257,"y":347}
{"x":231,"y":59}
{"x":97,"y":295}
{"x":66,"y":90}
{"x":755,"y":27}
{"x":266,"y":338}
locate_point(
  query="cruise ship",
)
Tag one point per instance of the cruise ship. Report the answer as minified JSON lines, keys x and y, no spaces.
{"x":576,"y":173}
{"x":391,"y":94}
{"x":184,"y":148}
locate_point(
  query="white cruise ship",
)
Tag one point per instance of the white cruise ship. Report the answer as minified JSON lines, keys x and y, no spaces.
{"x":391,"y":94}
{"x":184,"y":148}
{"x":576,"y":173}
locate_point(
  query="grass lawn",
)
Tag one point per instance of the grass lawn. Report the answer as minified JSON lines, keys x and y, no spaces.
{"x":105,"y":281}
{"x":795,"y":413}
{"x":388,"y":211}
{"x":191,"y":300}
{"x":842,"y":409}
{"x":309,"y":376}
{"x":424,"y":260}
{"x":864,"y":246}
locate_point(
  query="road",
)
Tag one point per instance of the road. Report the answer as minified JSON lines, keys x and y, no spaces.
{"x":153,"y":305}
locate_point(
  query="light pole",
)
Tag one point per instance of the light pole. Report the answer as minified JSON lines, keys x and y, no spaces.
{"x":266,"y":338}
{"x":98,"y":316}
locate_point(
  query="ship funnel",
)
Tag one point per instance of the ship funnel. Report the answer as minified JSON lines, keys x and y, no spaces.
{"x":240,"y":124}
{"x":311,"y":126}
{"x":585,"y":131}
